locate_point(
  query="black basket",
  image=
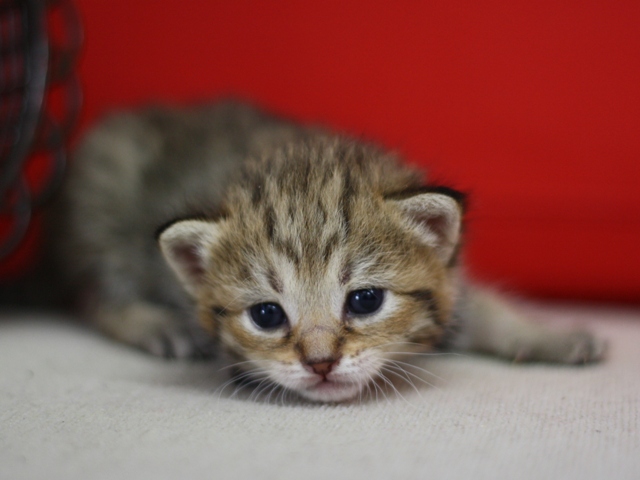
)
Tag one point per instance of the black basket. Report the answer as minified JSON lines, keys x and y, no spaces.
{"x":39,"y":44}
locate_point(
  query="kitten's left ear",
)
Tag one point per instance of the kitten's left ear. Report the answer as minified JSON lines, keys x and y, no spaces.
{"x":435,"y":213}
{"x":186,"y":245}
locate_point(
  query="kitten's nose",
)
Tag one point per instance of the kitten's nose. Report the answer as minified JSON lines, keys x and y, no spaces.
{"x":322,"y":368}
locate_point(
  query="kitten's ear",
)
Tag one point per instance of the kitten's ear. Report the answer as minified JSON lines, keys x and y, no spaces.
{"x":186,"y":246}
{"x":436,"y":216}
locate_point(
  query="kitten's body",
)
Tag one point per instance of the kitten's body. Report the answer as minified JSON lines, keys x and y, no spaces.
{"x":279,"y":215}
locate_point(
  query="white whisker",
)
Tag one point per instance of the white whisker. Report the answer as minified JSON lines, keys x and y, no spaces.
{"x":417,"y":377}
{"x":402,"y":377}
{"x":274,"y":388}
{"x":226,"y":367}
{"x":237,"y":378}
{"x":393,"y":387}
{"x":398,"y":362}
{"x":258,"y":389}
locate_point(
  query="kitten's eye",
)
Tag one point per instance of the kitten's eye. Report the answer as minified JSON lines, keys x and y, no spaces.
{"x":268,"y":315}
{"x":365,"y":302}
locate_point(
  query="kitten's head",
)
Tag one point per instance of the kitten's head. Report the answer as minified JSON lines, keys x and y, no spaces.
{"x":328,"y":259}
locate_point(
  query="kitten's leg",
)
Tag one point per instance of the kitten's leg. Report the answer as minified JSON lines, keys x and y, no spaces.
{"x":155,"y":329}
{"x":490,"y":325}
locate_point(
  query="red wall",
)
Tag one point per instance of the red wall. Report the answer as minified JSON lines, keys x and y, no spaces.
{"x":533,"y":107}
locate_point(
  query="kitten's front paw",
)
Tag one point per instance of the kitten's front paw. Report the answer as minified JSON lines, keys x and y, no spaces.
{"x":583,"y":347}
{"x":571,"y":348}
{"x":179,"y":341}
{"x":157,"y":330}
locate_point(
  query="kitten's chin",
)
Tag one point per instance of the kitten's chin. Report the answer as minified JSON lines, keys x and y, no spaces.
{"x":329,"y":391}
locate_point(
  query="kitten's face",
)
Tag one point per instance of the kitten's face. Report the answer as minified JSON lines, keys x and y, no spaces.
{"x":324,"y":328}
{"x":316,"y":288}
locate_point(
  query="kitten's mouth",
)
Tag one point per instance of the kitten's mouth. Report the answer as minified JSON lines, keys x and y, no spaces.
{"x":326,"y":385}
{"x":331,"y":391}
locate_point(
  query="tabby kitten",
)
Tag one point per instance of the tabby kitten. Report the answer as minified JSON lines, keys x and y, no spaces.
{"x":310,"y":257}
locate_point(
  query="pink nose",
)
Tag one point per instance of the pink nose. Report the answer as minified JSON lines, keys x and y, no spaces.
{"x":321,"y":368}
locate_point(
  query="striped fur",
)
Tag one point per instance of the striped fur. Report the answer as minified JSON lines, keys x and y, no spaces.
{"x":303,"y":226}
{"x":247,"y":209}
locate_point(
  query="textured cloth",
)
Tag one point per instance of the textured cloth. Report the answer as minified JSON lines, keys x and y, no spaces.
{"x":76,"y":406}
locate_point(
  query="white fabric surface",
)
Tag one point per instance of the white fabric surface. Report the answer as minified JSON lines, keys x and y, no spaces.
{"x":76,"y":406}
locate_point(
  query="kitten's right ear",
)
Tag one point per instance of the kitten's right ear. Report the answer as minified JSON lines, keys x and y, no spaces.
{"x":186,"y":246}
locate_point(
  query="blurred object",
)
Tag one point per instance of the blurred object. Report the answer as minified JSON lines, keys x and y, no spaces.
{"x":40,"y":99}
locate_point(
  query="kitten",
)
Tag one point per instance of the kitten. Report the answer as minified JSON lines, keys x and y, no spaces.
{"x":310,"y":257}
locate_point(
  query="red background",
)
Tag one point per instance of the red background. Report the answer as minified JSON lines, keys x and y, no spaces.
{"x":532,"y":107}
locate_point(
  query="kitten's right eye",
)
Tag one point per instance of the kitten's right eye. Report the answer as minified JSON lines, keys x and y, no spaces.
{"x":268,"y":315}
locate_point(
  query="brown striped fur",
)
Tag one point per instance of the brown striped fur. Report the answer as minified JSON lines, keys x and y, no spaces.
{"x":304,"y":226}
{"x":270,"y":211}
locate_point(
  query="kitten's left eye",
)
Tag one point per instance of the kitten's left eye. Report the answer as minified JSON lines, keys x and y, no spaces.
{"x":268,"y":315}
{"x":364,"y":302}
